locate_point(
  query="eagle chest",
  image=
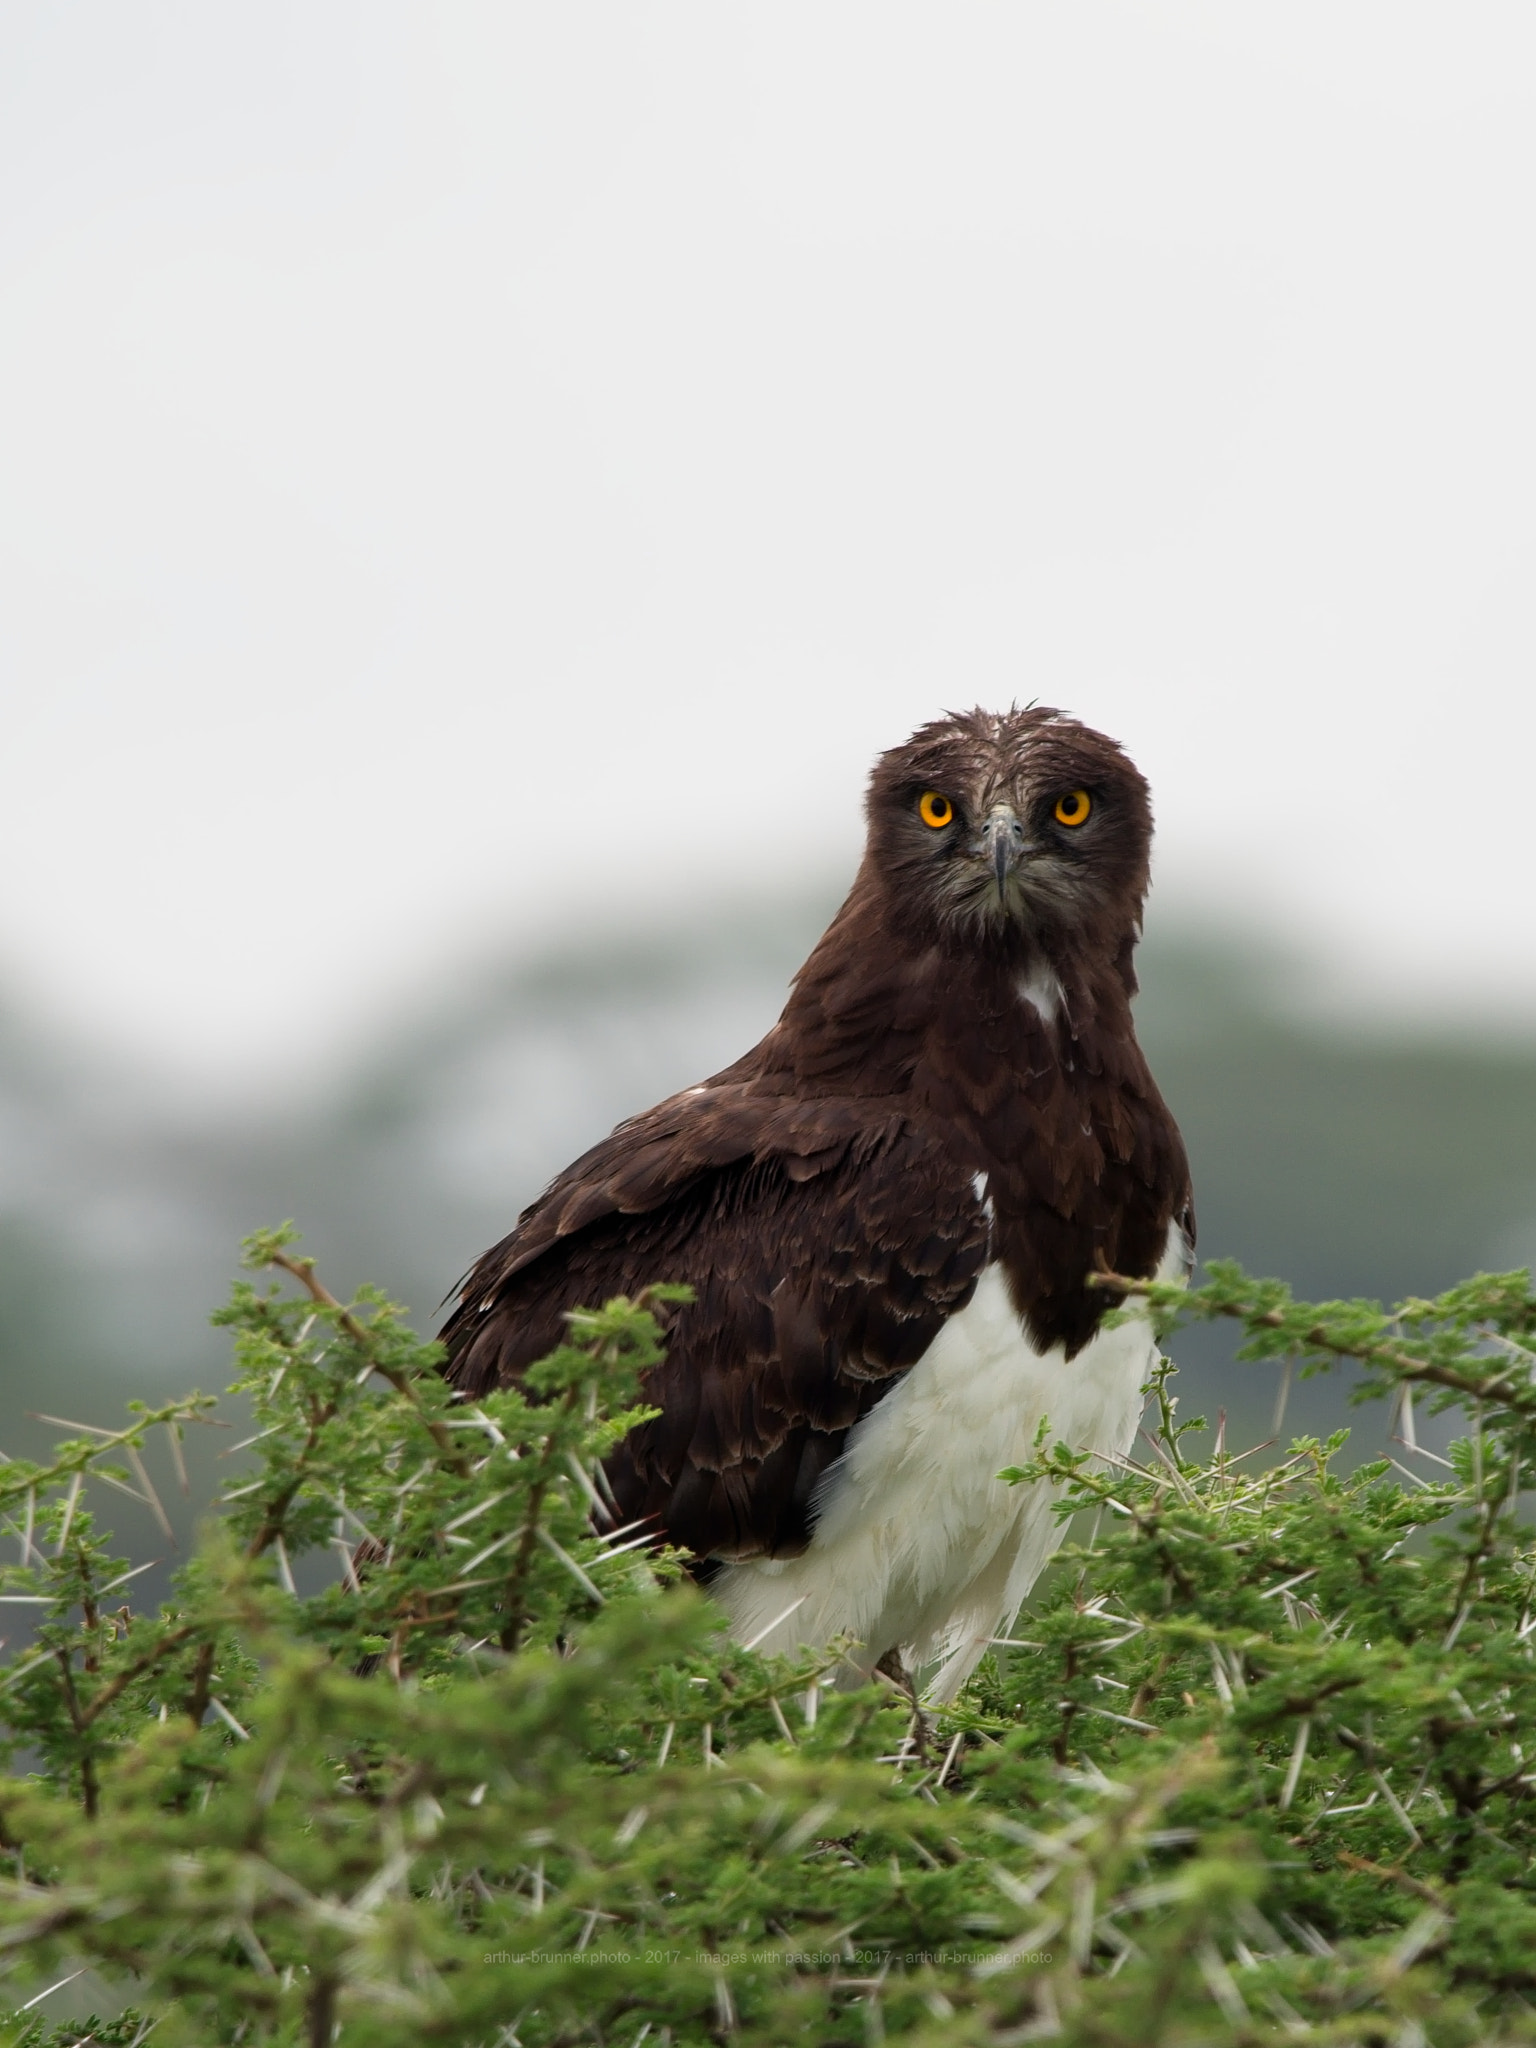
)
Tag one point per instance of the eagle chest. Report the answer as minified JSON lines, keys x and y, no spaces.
{"x":1055,"y":1142}
{"x":917,"y":1542}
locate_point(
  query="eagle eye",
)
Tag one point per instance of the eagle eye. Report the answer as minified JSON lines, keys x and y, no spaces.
{"x":1073,"y":808}
{"x":935,"y":810}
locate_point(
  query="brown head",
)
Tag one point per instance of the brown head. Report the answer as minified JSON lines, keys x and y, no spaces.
{"x":1022,"y":829}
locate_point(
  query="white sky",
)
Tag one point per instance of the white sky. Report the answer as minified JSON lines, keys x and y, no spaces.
{"x":461,"y":462}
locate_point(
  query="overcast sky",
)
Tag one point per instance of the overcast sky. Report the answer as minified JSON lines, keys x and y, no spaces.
{"x":462,"y":463}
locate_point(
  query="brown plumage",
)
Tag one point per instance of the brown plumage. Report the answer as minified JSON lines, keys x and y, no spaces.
{"x":954,"y":1083}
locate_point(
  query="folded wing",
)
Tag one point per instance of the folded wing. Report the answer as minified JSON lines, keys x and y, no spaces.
{"x":826,"y":1242}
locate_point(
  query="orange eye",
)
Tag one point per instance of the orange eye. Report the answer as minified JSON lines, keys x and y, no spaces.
{"x":935,"y":810}
{"x":1074,"y":807}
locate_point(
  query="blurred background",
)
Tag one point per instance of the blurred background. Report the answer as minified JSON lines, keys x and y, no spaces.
{"x":480,"y":483}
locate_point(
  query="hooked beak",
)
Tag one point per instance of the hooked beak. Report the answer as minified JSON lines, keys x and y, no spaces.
{"x":1002,"y":838}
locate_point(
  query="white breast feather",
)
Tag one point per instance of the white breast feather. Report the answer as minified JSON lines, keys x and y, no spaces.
{"x":1041,"y":989}
{"x":918,"y":1545}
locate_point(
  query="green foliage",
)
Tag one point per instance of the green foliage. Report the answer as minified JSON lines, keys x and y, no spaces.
{"x":414,"y":1755}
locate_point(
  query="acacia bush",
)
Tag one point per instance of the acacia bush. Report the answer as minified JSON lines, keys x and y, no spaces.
{"x":1252,"y":1767}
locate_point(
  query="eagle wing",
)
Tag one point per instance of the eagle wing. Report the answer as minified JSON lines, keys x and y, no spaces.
{"x":826,"y":1242}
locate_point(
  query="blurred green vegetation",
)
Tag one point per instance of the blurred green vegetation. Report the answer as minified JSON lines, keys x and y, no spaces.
{"x":1358,"y":1159}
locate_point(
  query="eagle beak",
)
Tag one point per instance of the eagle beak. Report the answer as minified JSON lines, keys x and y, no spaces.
{"x":1003,"y":838}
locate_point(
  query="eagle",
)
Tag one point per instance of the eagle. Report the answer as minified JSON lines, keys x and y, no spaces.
{"x":889,"y":1211}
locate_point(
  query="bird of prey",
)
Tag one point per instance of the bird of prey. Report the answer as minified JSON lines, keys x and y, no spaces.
{"x":888,"y":1211}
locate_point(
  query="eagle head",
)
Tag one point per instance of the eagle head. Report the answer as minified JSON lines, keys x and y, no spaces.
{"x":1020,"y":827}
